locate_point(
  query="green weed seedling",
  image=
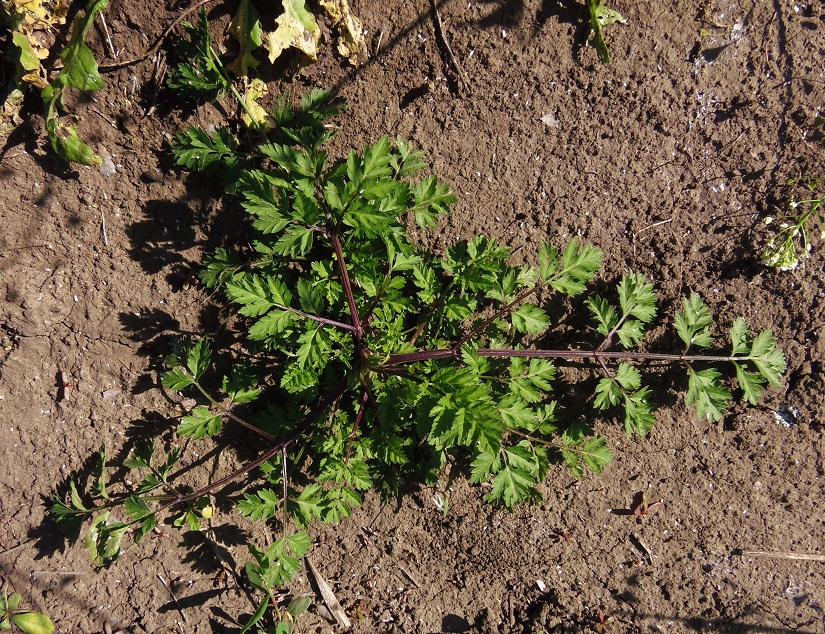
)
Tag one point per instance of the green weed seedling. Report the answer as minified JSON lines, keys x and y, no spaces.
{"x":27,"y":622}
{"x":600,"y":17}
{"x":370,"y":363}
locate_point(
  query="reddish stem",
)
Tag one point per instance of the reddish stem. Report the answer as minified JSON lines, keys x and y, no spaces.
{"x":520,"y":298}
{"x":358,"y":333}
{"x":365,"y":397}
{"x":305,"y":424}
{"x":597,"y":355}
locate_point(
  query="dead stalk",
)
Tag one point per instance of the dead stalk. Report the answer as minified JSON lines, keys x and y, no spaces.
{"x":779,"y":554}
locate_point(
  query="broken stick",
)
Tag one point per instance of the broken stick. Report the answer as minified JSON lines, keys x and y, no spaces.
{"x":329,"y":598}
{"x":439,"y":30}
{"x":778,"y":554}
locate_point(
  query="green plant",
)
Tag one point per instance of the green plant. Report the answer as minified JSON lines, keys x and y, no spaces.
{"x":370,"y":362}
{"x":600,"y":17}
{"x":78,"y":71}
{"x":794,"y":228}
{"x":25,"y":621}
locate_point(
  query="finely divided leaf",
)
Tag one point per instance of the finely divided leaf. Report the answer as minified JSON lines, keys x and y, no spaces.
{"x":218,"y":265}
{"x":257,"y":294}
{"x":595,"y":453}
{"x":69,"y":517}
{"x":197,"y":358}
{"x":630,"y":333}
{"x":511,"y":486}
{"x":603,"y":313}
{"x":637,"y":298}
{"x":239,"y":385}
{"x":529,"y":318}
{"x":705,"y":392}
{"x":140,"y":456}
{"x":314,"y":350}
{"x":196,"y":149}
{"x":740,"y":337}
{"x":289,"y":158}
{"x":367,"y":219}
{"x":693,"y":325}
{"x":298,"y":543}
{"x":750,"y":382}
{"x":762,"y":352}
{"x":198,"y":76}
{"x":261,"y":505}
{"x":103,"y":539}
{"x":338,"y":504}
{"x":307,"y":506}
{"x":639,"y":415}
{"x":769,"y":361}
{"x":529,"y":382}
{"x":270,"y":213}
{"x":296,"y":242}
{"x":578,"y":449}
{"x":608,"y":394}
{"x":199,"y":423}
{"x":484,"y":465}
{"x":628,"y":377}
{"x":432,"y":199}
{"x":467,"y":418}
{"x":376,"y":160}
{"x":516,"y":412}
{"x":407,"y":161}
{"x":576,"y":266}
{"x":137,"y":509}
{"x":176,"y":379}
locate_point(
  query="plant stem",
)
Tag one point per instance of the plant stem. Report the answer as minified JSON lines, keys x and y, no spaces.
{"x":508,"y":308}
{"x":597,"y":355}
{"x":365,"y":397}
{"x":317,"y":318}
{"x":228,"y":413}
{"x":358,"y":332}
{"x":284,"y":482}
{"x":305,"y":424}
{"x":241,"y":101}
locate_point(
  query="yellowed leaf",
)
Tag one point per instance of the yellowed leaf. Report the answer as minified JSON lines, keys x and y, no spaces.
{"x":10,"y":112}
{"x":295,"y":28}
{"x":33,"y":15}
{"x":350,"y":34}
{"x":255,"y":91}
{"x":29,"y":61}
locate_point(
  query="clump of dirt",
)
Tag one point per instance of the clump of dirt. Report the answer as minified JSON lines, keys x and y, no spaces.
{"x":667,"y":160}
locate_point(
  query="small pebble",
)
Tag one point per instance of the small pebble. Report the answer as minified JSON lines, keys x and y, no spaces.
{"x":107,"y":167}
{"x":153,"y":175}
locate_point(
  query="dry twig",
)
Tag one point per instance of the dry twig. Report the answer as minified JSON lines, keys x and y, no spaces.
{"x":108,"y":37}
{"x":329,"y":598}
{"x":439,"y":30}
{"x":151,"y":50}
{"x":103,"y":229}
{"x":779,"y":554}
{"x":174,"y":598}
